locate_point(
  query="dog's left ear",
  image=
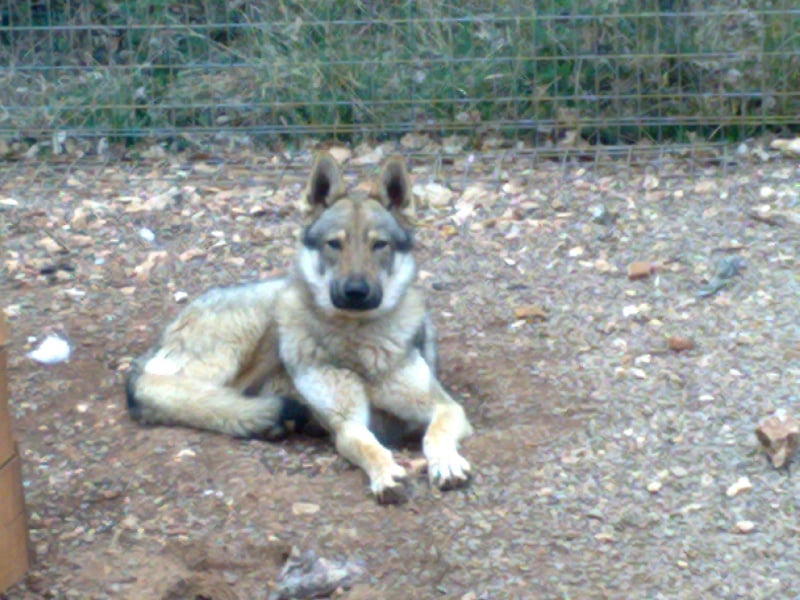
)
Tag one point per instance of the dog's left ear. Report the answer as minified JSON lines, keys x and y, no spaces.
{"x":394,"y":185}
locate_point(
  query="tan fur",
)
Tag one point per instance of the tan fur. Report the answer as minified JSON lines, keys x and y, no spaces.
{"x":347,"y":334}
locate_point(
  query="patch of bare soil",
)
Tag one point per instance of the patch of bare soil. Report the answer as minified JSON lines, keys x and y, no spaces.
{"x":602,"y":451}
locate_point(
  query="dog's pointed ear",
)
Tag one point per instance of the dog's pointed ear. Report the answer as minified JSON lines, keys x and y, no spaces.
{"x":324,"y":184}
{"x":394,"y":185}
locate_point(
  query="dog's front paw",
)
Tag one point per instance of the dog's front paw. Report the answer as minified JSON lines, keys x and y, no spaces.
{"x":392,"y":486}
{"x":448,"y":470}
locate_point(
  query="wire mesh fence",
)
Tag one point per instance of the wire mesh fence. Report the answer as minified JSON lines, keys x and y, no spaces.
{"x":608,"y":72}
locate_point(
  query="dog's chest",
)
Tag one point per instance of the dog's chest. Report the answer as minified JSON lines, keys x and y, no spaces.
{"x":369,"y":352}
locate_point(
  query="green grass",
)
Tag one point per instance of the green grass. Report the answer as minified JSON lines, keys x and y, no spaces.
{"x":621,"y":71}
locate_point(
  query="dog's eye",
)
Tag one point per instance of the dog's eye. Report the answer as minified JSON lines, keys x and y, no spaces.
{"x":379,"y":244}
{"x":334,"y":244}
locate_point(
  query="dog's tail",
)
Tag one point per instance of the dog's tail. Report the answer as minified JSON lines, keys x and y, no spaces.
{"x":179,"y":400}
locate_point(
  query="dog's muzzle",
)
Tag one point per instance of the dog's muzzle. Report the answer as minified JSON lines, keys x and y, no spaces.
{"x":355,"y":293}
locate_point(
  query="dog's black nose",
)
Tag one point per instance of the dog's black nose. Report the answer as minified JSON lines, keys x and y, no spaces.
{"x":356,"y":290}
{"x":356,"y":293}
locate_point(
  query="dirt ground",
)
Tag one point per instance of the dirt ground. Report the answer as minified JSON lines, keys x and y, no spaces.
{"x":604,"y":460}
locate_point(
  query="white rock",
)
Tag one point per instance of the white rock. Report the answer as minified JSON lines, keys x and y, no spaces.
{"x":147,"y":235}
{"x":304,"y":508}
{"x":51,"y":351}
{"x":433,"y":194}
{"x":745,"y":526}
{"x":740,"y":485}
{"x":787,"y":147}
{"x":370,"y":158}
{"x":575,"y":252}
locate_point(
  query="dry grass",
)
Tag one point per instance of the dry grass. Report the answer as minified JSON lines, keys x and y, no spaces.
{"x":618,"y":71}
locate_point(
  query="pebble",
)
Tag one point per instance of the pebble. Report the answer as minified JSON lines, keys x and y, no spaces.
{"x":147,"y":235}
{"x":678,"y":343}
{"x":51,"y":351}
{"x":600,"y":214}
{"x":604,"y":536}
{"x":766,"y":192}
{"x":640,"y":269}
{"x":654,"y":487}
{"x":745,"y":526}
{"x":304,"y":508}
{"x":679,"y":471}
{"x":740,"y":485}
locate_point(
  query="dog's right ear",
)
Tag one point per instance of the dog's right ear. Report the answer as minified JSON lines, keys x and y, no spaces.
{"x":324,"y":185}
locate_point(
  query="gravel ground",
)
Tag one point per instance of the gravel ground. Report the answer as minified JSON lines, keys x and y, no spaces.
{"x":604,"y":459}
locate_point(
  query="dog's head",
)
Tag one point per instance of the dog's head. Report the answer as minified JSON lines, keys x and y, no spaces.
{"x":356,"y":252}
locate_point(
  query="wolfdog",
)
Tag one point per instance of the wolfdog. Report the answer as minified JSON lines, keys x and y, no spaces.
{"x":342,"y":339}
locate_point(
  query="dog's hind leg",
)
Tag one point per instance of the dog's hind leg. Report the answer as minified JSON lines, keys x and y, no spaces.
{"x":178,"y":399}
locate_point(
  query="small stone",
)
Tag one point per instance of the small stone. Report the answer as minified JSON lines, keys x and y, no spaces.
{"x":433,"y":194}
{"x":650,"y":182}
{"x":745,"y":526}
{"x":51,"y":246}
{"x":740,"y":485}
{"x":787,"y":147}
{"x":601,"y":265}
{"x":640,"y":269}
{"x":779,"y":436}
{"x":766,"y":192}
{"x":147,"y":235}
{"x":633,"y":310}
{"x":705,"y":186}
{"x":600,"y":214}
{"x":679,"y":343}
{"x":304,"y":508}
{"x":305,"y":575}
{"x":654,"y":487}
{"x":52,"y":350}
{"x":530,"y":312}
{"x":679,"y":471}
{"x":575,"y":252}
{"x":80,"y":218}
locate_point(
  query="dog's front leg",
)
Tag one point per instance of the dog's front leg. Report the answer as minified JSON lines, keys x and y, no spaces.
{"x":413,"y":393}
{"x":338,"y":399}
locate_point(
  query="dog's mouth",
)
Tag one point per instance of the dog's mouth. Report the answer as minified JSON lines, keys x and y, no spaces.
{"x":355,"y":294}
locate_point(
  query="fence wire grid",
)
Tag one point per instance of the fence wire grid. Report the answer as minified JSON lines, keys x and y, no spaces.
{"x":611,"y":72}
